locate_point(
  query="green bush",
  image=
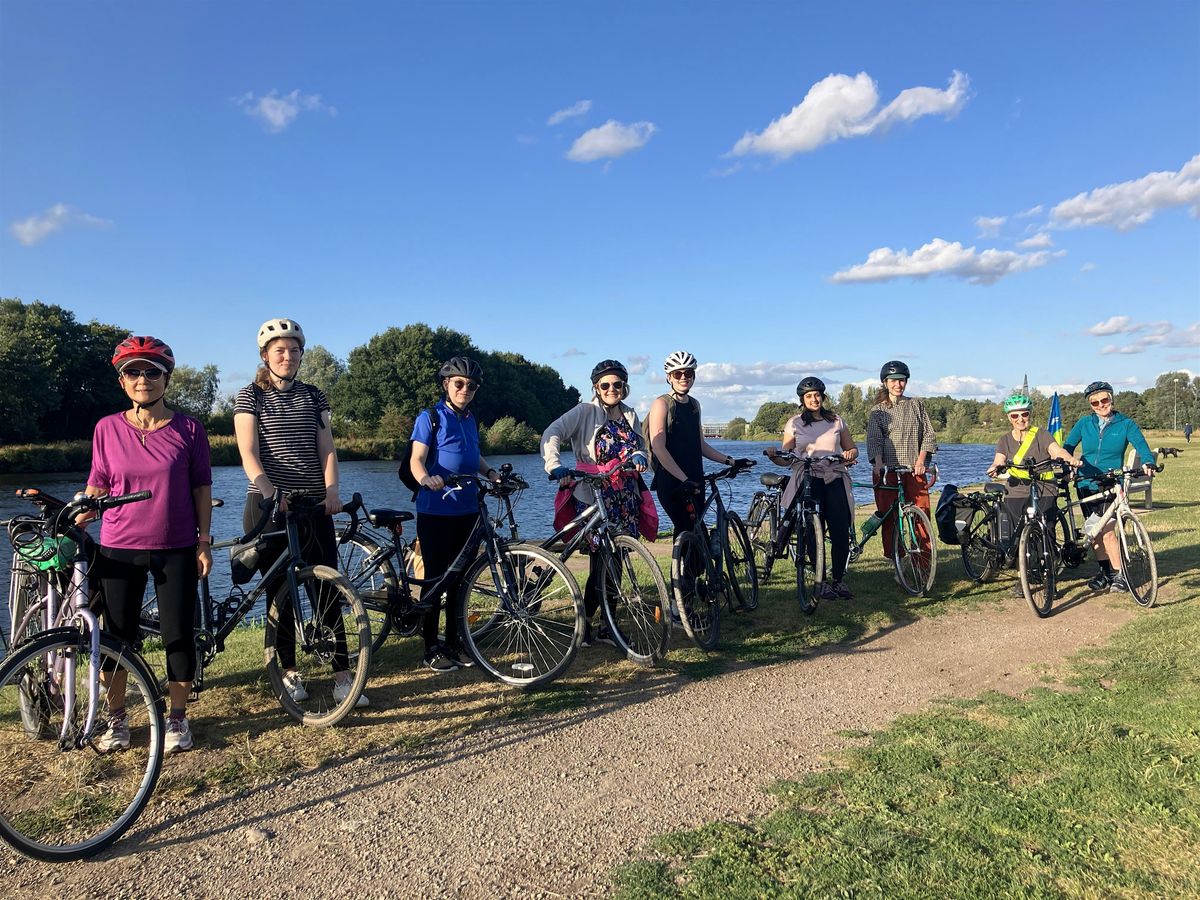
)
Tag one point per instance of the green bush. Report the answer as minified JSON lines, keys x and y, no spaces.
{"x":507,"y":435}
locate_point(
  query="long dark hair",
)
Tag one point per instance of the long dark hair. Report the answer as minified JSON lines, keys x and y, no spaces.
{"x":824,"y":413}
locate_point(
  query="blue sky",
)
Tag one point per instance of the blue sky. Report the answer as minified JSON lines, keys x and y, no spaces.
{"x":981,"y":189}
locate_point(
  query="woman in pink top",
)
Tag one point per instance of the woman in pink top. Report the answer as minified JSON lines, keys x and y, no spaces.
{"x":819,"y":432}
{"x":152,"y":447}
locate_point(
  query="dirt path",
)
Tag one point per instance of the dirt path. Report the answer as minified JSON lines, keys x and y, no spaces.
{"x":545,"y":807}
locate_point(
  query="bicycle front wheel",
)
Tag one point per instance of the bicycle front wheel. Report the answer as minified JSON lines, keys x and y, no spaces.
{"x":327,"y":647}
{"x":981,"y":554}
{"x":635,"y":601}
{"x":1037,"y":567}
{"x":739,"y":560}
{"x":697,"y":600}
{"x":60,"y":799}
{"x":521,"y":619}
{"x":810,"y":559}
{"x":914,"y":551}
{"x":762,"y":522}
{"x":1137,"y":560}
{"x":374,"y":578}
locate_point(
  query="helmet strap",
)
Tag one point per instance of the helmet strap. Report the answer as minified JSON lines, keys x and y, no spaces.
{"x":281,"y":379}
{"x":460,"y":410}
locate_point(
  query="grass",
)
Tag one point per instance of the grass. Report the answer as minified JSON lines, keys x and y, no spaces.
{"x":1091,"y":789}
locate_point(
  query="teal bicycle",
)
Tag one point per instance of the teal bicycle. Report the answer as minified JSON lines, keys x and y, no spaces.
{"x":914,"y":543}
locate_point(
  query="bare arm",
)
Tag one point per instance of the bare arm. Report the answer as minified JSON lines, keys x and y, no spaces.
{"x":202,"y":499}
{"x":420,"y":453}
{"x":245,"y":426}
{"x":329,"y":465}
{"x":657,"y":417}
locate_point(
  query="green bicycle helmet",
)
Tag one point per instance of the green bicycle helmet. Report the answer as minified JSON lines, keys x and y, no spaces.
{"x":1016,"y":403}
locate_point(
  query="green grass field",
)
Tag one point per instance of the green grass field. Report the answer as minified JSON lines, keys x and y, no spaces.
{"x":1090,"y":789}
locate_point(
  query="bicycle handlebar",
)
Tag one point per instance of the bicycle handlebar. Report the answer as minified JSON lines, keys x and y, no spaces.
{"x":595,"y":479}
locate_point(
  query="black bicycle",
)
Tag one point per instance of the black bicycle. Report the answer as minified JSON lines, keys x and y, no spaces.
{"x":519,"y":609}
{"x":633,"y":592}
{"x":712,"y":565}
{"x":316,"y":625}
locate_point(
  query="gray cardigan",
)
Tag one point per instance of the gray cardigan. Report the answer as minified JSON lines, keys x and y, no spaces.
{"x":580,"y":425}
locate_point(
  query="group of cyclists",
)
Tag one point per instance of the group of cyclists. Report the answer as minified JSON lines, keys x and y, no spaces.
{"x":283,"y":435}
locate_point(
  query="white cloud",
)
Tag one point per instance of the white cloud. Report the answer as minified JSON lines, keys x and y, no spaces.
{"x":1129,"y":204}
{"x":610,"y":140}
{"x":763,"y":373}
{"x":1066,"y":388}
{"x":638,"y":364}
{"x":38,"y":227}
{"x":578,"y":108}
{"x":278,"y":112}
{"x":571,"y":351}
{"x":966,"y":386}
{"x":940,"y":257}
{"x":1088,"y":267}
{"x":1039,"y":241}
{"x":840,"y":106}
{"x":1031,"y":212}
{"x":989,"y":226}
{"x":1158,"y":334}
{"x":1115,"y":325}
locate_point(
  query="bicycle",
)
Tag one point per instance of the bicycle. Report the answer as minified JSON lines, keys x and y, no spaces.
{"x":519,"y":610}
{"x":633,"y":592}
{"x":977,"y":520}
{"x":914,"y":544}
{"x":314,"y":621}
{"x":1133,"y":541}
{"x":62,"y":797}
{"x":709,"y":567}
{"x":802,"y":518}
{"x":1033,"y":536}
{"x":767,"y":529}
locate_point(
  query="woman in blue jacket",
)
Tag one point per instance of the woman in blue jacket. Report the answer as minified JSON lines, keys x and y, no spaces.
{"x":1105,"y":436}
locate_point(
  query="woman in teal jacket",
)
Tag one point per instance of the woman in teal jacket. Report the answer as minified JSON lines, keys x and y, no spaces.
{"x":1104,"y":437}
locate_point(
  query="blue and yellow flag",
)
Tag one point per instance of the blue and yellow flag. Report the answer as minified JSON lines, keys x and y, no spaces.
{"x":1054,"y":426}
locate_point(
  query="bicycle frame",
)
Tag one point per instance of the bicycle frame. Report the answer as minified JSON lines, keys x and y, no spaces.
{"x":857,"y":546}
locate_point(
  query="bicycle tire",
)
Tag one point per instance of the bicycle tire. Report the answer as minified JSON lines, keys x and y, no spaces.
{"x":24,"y":594}
{"x":523,"y":633}
{"x":915,"y":566}
{"x":639,"y":615}
{"x":1137,"y":560}
{"x":61,"y":803}
{"x":697,"y":601}
{"x":980,"y":554}
{"x":375,"y":585}
{"x":810,"y":568}
{"x":739,"y":561}
{"x":762,"y":523}
{"x":330,"y":612}
{"x":1036,"y":567}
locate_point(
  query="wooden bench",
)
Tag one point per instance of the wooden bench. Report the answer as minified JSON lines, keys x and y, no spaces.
{"x":1140,"y":484}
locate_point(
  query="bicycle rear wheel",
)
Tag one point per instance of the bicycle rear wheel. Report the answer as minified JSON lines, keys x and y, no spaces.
{"x":524,"y":627}
{"x":810,"y":559}
{"x":1037,"y":567}
{"x":63,"y":800}
{"x":739,"y":560}
{"x":914,"y":551}
{"x":375,"y":584}
{"x":1137,"y":560}
{"x":981,"y":554}
{"x":761,"y":523}
{"x":697,"y":600}
{"x":327,"y":644}
{"x":638,"y":608}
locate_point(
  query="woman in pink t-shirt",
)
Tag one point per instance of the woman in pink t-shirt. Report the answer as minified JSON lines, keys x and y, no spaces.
{"x":819,"y":432}
{"x":152,"y":447}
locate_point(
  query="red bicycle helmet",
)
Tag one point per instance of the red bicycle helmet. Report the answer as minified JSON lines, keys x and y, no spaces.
{"x":144,"y":347}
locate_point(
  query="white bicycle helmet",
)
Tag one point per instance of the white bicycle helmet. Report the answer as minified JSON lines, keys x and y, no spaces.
{"x":279,"y":328}
{"x":680,"y":359}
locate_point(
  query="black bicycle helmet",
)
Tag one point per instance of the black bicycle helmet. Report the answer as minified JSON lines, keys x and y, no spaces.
{"x":811,"y":383}
{"x":1096,"y":387}
{"x":609,"y":365}
{"x":462,"y":367}
{"x":894,"y":369}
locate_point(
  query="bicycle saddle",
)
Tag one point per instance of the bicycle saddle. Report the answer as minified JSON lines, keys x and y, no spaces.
{"x":384,"y":518}
{"x":993,"y":488}
{"x":772,"y":479}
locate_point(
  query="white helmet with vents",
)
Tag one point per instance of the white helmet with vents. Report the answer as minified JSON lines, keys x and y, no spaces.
{"x":280,"y":328}
{"x":680,"y":359}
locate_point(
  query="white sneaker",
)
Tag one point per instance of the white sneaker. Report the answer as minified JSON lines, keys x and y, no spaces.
{"x":115,"y":737}
{"x":341,"y":690}
{"x":179,"y":736}
{"x":294,"y":685}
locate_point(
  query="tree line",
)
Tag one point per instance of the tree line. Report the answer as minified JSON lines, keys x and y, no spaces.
{"x":1173,"y":400}
{"x":58,"y":381}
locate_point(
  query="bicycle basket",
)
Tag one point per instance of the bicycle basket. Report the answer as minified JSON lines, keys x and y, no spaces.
{"x":243,"y":562}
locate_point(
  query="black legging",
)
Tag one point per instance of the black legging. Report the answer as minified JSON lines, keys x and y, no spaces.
{"x":123,"y":576}
{"x":677,"y":503}
{"x":442,"y":539}
{"x":1014,"y":508}
{"x":836,"y":517}
{"x":318,"y":547}
{"x":597,"y":574}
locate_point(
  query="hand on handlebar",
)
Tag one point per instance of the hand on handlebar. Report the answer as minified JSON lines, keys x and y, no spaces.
{"x":333,"y":503}
{"x":693,"y":487}
{"x":433,"y":482}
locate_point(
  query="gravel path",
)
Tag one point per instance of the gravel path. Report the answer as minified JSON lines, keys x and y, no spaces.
{"x":544,"y":807}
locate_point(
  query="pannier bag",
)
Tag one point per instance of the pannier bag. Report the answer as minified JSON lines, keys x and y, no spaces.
{"x":945,"y":514}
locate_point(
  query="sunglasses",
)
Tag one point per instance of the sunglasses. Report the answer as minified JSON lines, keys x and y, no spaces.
{"x":1104,"y":401}
{"x":611,"y":385}
{"x":1018,"y":415}
{"x":135,"y":374}
{"x":459,"y":384}
{"x":684,"y":373}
